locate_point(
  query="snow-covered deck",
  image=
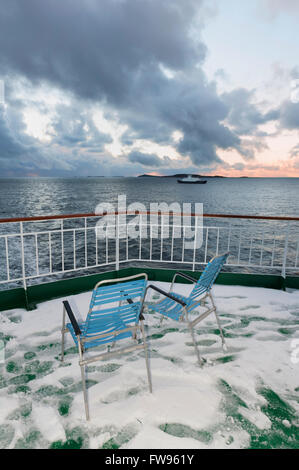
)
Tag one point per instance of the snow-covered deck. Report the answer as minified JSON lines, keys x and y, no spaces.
{"x":245,"y":398}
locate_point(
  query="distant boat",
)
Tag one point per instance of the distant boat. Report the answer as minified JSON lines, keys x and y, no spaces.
{"x":191,"y":180}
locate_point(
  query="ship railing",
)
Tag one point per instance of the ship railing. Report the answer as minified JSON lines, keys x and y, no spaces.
{"x":35,"y":249}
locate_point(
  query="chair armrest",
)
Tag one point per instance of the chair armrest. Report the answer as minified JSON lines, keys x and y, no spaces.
{"x":172,"y":297}
{"x":72,"y":317}
{"x":192,"y":279}
{"x":130,"y":301}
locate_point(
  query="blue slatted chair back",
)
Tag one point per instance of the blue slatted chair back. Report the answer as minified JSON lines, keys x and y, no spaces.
{"x":208,"y":276}
{"x":109,"y":309}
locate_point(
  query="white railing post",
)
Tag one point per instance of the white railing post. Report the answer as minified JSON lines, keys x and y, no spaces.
{"x":50,"y":253}
{"x":195,"y":243}
{"x":117,"y":243}
{"x":36,"y":255}
{"x":7,"y":258}
{"x":297,"y":252}
{"x":162,"y":234}
{"x":23,"y":256}
{"x":151,"y":241}
{"x":206,"y":245}
{"x":85,"y":241}
{"x":62,"y":245}
{"x":183,"y":244}
{"x":285,"y":254}
{"x":140,"y":235}
{"x":229,"y":236}
{"x":97,"y":255}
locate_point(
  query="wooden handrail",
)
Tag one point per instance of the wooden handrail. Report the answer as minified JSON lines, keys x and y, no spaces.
{"x":77,"y":216}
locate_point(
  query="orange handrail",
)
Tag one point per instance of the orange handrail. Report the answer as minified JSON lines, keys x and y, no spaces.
{"x":76,"y":216}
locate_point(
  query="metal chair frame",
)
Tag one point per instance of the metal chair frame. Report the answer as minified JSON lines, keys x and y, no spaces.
{"x":138,"y":327}
{"x":186,"y":309}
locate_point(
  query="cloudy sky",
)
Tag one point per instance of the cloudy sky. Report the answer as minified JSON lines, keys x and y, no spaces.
{"x":124,"y":87}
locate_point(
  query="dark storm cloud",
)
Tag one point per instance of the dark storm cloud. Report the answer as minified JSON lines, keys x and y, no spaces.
{"x":9,"y":145}
{"x":21,"y":153}
{"x":17,"y":149}
{"x":294,"y":153}
{"x":73,"y":126}
{"x":289,"y":115}
{"x":145,"y":159}
{"x":243,"y":115}
{"x":197,"y":111}
{"x":96,"y":48}
{"x":76,"y":143}
{"x":115,"y":53}
{"x":112,"y":52}
{"x":187,"y":104}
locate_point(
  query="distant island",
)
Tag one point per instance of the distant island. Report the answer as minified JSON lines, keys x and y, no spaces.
{"x":179,"y":175}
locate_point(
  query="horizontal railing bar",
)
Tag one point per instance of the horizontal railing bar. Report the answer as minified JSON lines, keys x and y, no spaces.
{"x":47,"y":217}
{"x":290,"y":268}
{"x":202,"y":262}
{"x":35,"y":276}
{"x":83,"y":229}
{"x":157,"y":228}
{"x":76,"y":216}
{"x":46,"y":232}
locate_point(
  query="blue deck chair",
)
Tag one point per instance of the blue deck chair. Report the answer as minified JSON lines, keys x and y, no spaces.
{"x":115,"y":313}
{"x":178,"y":307}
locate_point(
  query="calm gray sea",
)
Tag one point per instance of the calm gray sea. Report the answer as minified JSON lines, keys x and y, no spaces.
{"x":258,"y":243}
{"x":24,"y":197}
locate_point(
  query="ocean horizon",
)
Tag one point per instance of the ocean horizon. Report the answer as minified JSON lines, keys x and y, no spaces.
{"x":34,"y":196}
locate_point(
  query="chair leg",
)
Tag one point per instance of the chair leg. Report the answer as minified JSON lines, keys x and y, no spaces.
{"x":149,"y":378}
{"x":84,"y":392}
{"x":224,"y":347}
{"x":200,"y":362}
{"x":185,"y":317}
{"x":62,"y":346}
{"x":134,"y":333}
{"x":62,"y":335}
{"x":111,"y":346}
{"x":82,"y":367}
